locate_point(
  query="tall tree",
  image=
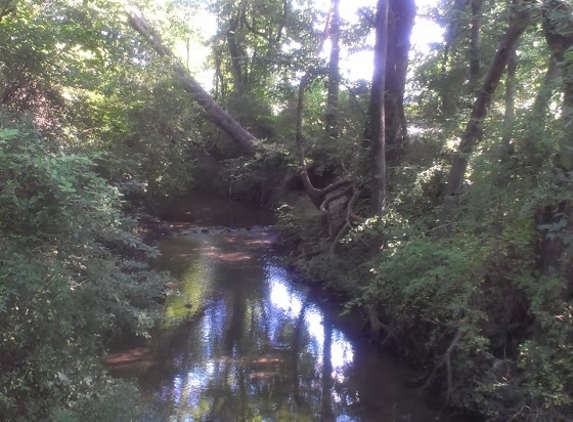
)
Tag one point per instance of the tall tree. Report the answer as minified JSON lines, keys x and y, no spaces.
{"x":249,"y":55}
{"x":558,"y":29}
{"x":333,"y":72}
{"x":541,"y":103}
{"x":474,"y":127}
{"x":475,"y":44}
{"x":510,"y":92}
{"x":235,"y":53}
{"x":453,"y":28}
{"x":400,"y":24}
{"x":377,"y":133}
{"x":510,"y":88}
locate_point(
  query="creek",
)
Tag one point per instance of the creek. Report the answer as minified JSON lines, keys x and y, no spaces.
{"x":244,"y":342}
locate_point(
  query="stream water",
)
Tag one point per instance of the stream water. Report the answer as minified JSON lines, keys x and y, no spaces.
{"x":244,"y":342}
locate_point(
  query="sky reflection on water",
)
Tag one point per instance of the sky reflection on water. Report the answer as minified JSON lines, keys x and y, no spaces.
{"x":290,"y":301}
{"x":262,"y":348}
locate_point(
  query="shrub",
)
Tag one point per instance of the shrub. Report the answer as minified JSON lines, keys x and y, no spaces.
{"x":71,"y":274}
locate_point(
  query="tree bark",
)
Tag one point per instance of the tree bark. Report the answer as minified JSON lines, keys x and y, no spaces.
{"x":541,"y":103}
{"x":236,"y":56}
{"x":509,"y":112}
{"x":311,"y":191}
{"x":213,"y":111}
{"x":475,"y":45}
{"x":331,"y":117}
{"x":474,"y":129}
{"x":400,"y":23}
{"x":558,"y":29}
{"x":377,"y":139}
{"x":452,"y":30}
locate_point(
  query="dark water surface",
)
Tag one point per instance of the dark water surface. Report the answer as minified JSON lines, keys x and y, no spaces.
{"x":243,"y":342}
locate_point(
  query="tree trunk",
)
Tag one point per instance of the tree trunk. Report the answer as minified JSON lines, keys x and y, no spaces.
{"x":539,"y":112}
{"x":311,"y":191}
{"x":400,"y":24}
{"x":377,"y":139}
{"x":541,"y":103}
{"x":558,"y":29}
{"x":452,"y":29}
{"x":236,"y":56}
{"x":316,"y":195}
{"x":334,"y":72}
{"x":509,"y":113}
{"x":475,"y":45}
{"x":473,"y":131}
{"x":213,"y":111}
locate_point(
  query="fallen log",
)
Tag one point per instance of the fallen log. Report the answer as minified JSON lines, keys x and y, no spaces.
{"x":213,"y":111}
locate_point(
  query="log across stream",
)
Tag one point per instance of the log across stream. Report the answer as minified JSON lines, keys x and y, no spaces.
{"x":244,"y":342}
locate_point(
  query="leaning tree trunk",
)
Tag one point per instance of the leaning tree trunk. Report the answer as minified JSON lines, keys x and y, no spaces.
{"x":213,"y":111}
{"x":474,"y":129}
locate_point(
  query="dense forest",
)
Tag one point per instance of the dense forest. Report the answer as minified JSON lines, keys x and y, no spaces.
{"x":435,"y":198}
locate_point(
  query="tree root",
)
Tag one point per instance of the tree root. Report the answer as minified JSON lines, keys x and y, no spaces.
{"x":376,"y":326}
{"x":350,"y":217}
{"x":310,"y":253}
{"x":331,"y":198}
{"x":446,"y":360}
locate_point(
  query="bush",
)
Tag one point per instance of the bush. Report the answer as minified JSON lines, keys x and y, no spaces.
{"x":475,"y":308}
{"x":71,"y":274}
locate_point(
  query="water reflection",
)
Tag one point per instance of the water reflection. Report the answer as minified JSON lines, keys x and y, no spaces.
{"x":321,"y":334}
{"x":246,"y":344}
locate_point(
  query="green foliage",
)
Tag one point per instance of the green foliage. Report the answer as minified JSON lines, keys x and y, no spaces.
{"x":71,"y":275}
{"x":478,"y":302}
{"x":489,"y":307}
{"x":259,"y":178}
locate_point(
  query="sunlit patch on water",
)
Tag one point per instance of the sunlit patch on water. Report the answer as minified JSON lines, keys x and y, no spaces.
{"x":126,"y":357}
{"x":290,"y":301}
{"x":230,"y":256}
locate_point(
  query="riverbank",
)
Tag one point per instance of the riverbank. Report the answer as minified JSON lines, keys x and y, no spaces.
{"x":472,"y":311}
